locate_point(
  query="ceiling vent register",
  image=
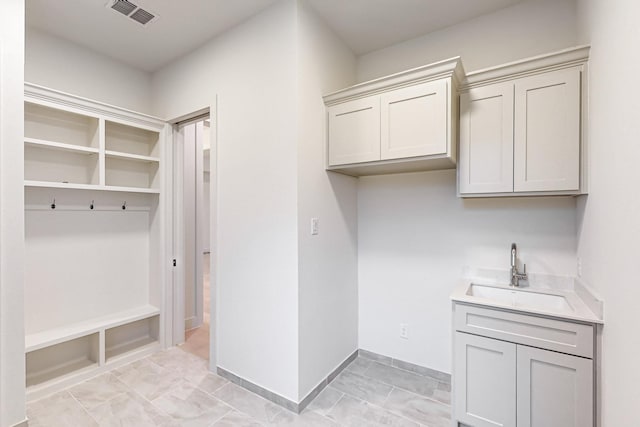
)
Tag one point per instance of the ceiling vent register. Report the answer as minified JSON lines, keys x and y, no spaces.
{"x":127,"y":8}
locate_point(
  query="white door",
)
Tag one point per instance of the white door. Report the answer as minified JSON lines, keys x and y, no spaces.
{"x":486,"y":140}
{"x":547,"y":132}
{"x":178,"y":233}
{"x":194,"y":223}
{"x":354,"y":131}
{"x":414,"y":121}
{"x":484,"y":381}
{"x":188,"y":226}
{"x":554,"y":389}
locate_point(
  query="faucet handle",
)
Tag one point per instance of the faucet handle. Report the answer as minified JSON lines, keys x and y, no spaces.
{"x":524,"y":268}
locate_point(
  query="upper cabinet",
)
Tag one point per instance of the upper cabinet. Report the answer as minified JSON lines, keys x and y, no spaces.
{"x":401,"y":123}
{"x":522,"y":128}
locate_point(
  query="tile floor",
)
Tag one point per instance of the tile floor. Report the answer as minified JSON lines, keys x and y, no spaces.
{"x":174,"y":388}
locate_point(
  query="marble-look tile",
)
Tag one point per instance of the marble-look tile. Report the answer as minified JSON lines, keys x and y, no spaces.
{"x":210,"y":383}
{"x":424,"y":371}
{"x":362,"y":387}
{"x":375,"y":357}
{"x":425,"y":386}
{"x":325,"y":400}
{"x":249,"y":403}
{"x":59,"y":410}
{"x":97,"y":390}
{"x":417,"y":408}
{"x":306,"y":419}
{"x":359,"y":366}
{"x":148,"y":379}
{"x":130,"y":410}
{"x":186,"y":393}
{"x":352,"y":412}
{"x":191,"y":407}
{"x":353,"y":356}
{"x":445,"y":386}
{"x":174,"y":357}
{"x":237,"y":419}
{"x":256,"y":389}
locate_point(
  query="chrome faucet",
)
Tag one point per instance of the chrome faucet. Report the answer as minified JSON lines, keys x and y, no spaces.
{"x":515,"y":275}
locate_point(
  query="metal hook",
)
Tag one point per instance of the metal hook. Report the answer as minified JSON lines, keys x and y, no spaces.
{"x":53,"y":205}
{"x":91,"y":205}
{"x":124,"y":205}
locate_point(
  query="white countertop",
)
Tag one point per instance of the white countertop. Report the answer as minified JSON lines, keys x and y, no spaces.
{"x":584,"y":306}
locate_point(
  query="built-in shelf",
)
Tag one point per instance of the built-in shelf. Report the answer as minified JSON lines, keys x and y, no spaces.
{"x":60,"y":146}
{"x":132,"y":140}
{"x":128,"y":172}
{"x":133,"y":157}
{"x":54,"y":336}
{"x":65,"y":355}
{"x":58,"y":361}
{"x":61,"y":125}
{"x":47,"y":184}
{"x":131,"y":337}
{"x":79,"y":143}
{"x":92,"y":252}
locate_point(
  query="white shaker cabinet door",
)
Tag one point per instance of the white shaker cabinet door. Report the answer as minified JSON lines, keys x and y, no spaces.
{"x":554,"y":389}
{"x":354,"y":131}
{"x":415,"y":121}
{"x":486,"y":140}
{"x":547,"y":132}
{"x":485,"y":381}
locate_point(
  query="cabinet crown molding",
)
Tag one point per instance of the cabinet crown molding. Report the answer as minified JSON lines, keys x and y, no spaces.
{"x":42,"y":94}
{"x":565,"y":58}
{"x":448,"y":68}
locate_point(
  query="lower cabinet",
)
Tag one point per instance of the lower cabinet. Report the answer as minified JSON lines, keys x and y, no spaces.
{"x":485,"y":381}
{"x":499,"y":383}
{"x":515,"y":369}
{"x":553,"y":389}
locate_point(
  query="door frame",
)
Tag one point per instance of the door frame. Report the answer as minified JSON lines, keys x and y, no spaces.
{"x":176,"y":237}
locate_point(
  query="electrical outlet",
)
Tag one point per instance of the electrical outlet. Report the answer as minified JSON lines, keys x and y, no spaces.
{"x":315,"y":226}
{"x":404,"y":331}
{"x":579,"y":266}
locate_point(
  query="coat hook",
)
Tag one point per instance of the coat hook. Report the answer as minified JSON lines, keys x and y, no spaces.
{"x":124,"y":205}
{"x":91,"y":205}
{"x":53,"y":205}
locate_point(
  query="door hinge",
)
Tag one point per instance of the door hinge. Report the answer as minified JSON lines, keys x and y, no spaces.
{"x":174,"y":263}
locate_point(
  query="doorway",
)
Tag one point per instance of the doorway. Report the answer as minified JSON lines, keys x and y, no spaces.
{"x":192,"y":235}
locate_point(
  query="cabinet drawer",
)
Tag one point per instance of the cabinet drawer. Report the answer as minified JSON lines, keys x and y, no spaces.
{"x":551,"y":334}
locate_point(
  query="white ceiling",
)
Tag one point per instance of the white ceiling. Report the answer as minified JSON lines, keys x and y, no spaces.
{"x":368,"y":25}
{"x":183,"y":25}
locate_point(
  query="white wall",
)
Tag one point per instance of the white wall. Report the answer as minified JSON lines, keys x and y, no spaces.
{"x":251,"y":68}
{"x":328,"y":261}
{"x":12,"y":379}
{"x":414,"y":235}
{"x":68,"y":67}
{"x":609,"y":218}
{"x":530,"y":28}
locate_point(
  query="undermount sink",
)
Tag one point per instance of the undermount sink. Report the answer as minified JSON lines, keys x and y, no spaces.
{"x":520,"y":297}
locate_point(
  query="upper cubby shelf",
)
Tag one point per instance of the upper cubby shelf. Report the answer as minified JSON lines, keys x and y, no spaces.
{"x":128,"y":140}
{"x":57,"y":126}
{"x":76,"y":143}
